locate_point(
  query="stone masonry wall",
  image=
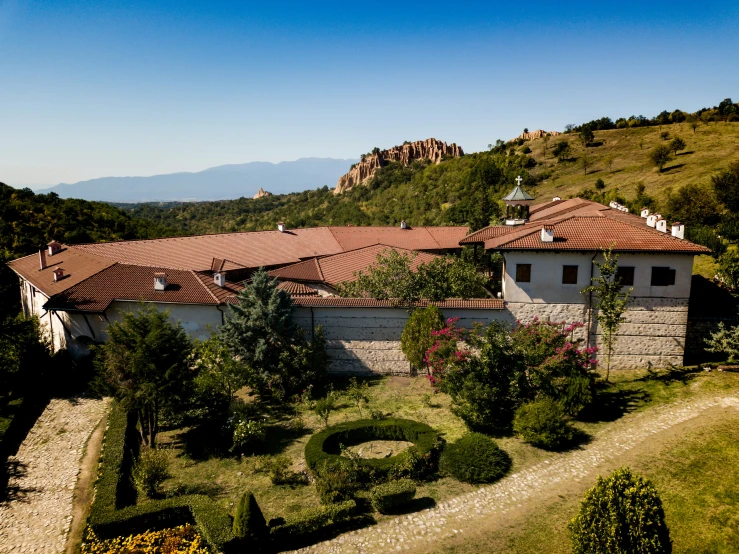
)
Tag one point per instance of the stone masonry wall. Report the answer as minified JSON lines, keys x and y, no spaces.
{"x":367,"y":340}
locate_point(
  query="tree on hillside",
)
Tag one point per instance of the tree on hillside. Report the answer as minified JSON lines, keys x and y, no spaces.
{"x":608,"y":161}
{"x":726,"y":187}
{"x":661,"y":155}
{"x":546,"y":141}
{"x":693,"y":205}
{"x":677,"y":116}
{"x":145,"y":360}
{"x":677,"y":144}
{"x":610,"y":298}
{"x":586,"y":135}
{"x":694,"y":121}
{"x":586,"y":162}
{"x":562,"y":150}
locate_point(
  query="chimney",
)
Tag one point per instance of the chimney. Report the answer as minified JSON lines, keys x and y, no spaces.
{"x":160,"y":281}
{"x":219,"y":279}
{"x":58,"y":274}
{"x":662,"y":225}
{"x":624,"y":209}
{"x":403,"y":224}
{"x":645,"y":212}
{"x":678,"y":230}
{"x":281,"y":227}
{"x":547,"y":233}
{"x":556,"y":198}
{"x":42,"y":259}
{"x":54,"y":247}
{"x":613,"y":204}
{"x":652,"y":219}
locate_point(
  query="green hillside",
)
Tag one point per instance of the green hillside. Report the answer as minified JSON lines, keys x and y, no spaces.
{"x":709,"y":149}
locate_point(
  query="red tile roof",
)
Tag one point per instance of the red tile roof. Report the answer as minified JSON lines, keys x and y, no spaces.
{"x":296,"y":289}
{"x":487,"y":233}
{"x":338,"y":302}
{"x":131,"y":282}
{"x":343,"y":267}
{"x":77,"y":265}
{"x":592,"y":233}
{"x":415,"y":238}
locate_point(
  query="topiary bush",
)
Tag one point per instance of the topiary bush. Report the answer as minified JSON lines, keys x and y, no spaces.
{"x":249,"y":523}
{"x":297,"y":528}
{"x":475,"y":458}
{"x":543,"y":423}
{"x":150,"y":471}
{"x":417,"y":338}
{"x":388,"y":497}
{"x":622,"y":514}
{"x":326,"y":445}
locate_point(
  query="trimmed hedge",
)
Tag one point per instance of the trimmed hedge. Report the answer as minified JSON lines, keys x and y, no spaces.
{"x":325,"y":446}
{"x":387,"y":497}
{"x":113,"y":512}
{"x":305,"y":523}
{"x":475,"y":458}
{"x":543,"y":423}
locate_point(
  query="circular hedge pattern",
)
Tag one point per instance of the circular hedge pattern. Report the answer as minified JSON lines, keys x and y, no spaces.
{"x":326,"y":445}
{"x":475,"y":458}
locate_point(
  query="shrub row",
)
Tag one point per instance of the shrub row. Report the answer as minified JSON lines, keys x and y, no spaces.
{"x":388,"y":497}
{"x":303,"y":524}
{"x":325,"y":446}
{"x":112,"y":513}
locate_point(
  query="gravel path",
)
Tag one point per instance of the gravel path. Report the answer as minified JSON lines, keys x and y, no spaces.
{"x":37,"y":516}
{"x":420,"y":530}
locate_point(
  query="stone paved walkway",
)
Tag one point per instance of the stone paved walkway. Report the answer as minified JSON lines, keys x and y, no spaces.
{"x":420,"y":530}
{"x":37,"y":516}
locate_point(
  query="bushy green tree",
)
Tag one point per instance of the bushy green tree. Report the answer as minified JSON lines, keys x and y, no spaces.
{"x":621,"y":514}
{"x":23,"y":353}
{"x":543,"y":423}
{"x":562,"y":150}
{"x":417,"y":338}
{"x":218,"y":370}
{"x":693,"y":205}
{"x":450,"y":277}
{"x":728,"y":269}
{"x":610,"y":301}
{"x":725,"y":341}
{"x":586,"y":135}
{"x":661,"y":155}
{"x":726,"y":186}
{"x":677,"y":144}
{"x":249,"y":523}
{"x":145,"y":360}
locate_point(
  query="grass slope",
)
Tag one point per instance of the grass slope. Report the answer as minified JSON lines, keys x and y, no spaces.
{"x":710,"y":149}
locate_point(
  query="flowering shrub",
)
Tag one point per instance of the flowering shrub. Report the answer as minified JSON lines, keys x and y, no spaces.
{"x":178,"y":540}
{"x":246,"y":432}
{"x":446,"y":353}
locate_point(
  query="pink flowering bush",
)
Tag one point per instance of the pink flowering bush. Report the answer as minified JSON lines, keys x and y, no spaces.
{"x":447,"y":353}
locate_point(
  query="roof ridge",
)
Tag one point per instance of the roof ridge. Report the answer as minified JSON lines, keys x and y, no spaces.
{"x":320,"y":270}
{"x":206,"y":287}
{"x":648,"y":228}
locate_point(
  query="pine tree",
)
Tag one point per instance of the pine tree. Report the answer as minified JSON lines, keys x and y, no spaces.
{"x":249,"y":522}
{"x":259,"y":328}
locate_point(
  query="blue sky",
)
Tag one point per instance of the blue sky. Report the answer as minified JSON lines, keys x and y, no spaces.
{"x":91,"y":89}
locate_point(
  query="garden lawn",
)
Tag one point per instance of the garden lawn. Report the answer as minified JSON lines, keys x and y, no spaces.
{"x":225,"y":478}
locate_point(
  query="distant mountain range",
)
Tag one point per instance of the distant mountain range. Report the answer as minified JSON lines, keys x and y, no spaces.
{"x":216,"y":183}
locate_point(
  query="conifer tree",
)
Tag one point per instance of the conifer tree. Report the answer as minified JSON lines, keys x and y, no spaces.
{"x":249,"y":522}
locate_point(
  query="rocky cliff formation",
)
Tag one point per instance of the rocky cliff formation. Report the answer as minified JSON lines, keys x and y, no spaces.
{"x":536,"y":134}
{"x":261,"y":193}
{"x":429,"y":149}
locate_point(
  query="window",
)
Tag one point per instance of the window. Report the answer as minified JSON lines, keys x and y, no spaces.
{"x":625,"y":276}
{"x":663,"y":276}
{"x":569,"y":274}
{"x":523,"y":273}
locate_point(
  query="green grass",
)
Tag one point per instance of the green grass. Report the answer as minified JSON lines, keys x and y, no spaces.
{"x":710,"y":149}
{"x":7,"y":412}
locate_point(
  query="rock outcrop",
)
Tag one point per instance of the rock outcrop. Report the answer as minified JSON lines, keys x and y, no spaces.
{"x":536,"y":134}
{"x":429,"y":149}
{"x":261,"y":193}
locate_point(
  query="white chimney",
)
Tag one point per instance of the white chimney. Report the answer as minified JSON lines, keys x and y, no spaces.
{"x":42,"y":259}
{"x":219,"y":279}
{"x":160,"y":281}
{"x":54,"y":247}
{"x":547,"y":233}
{"x":652,"y":220}
{"x":678,"y":230}
{"x":645,"y":212}
{"x":662,"y":225}
{"x":556,"y":198}
{"x":58,"y":274}
{"x":613,"y":204}
{"x":281,"y":227}
{"x":403,"y":224}
{"x":624,"y":209}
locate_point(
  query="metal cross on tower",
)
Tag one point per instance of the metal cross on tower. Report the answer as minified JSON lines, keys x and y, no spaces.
{"x":518,"y":180}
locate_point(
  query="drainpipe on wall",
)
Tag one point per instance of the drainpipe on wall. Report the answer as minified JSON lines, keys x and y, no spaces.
{"x":223,"y":316}
{"x":590,"y":299}
{"x":312,"y":325}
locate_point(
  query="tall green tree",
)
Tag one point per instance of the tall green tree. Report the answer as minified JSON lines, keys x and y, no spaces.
{"x":562,"y":150}
{"x":23,"y":352}
{"x":417,"y":338}
{"x":726,"y":186}
{"x":611,"y":299}
{"x":145,"y":360}
{"x":259,"y":328}
{"x":218,"y":370}
{"x":677,"y":144}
